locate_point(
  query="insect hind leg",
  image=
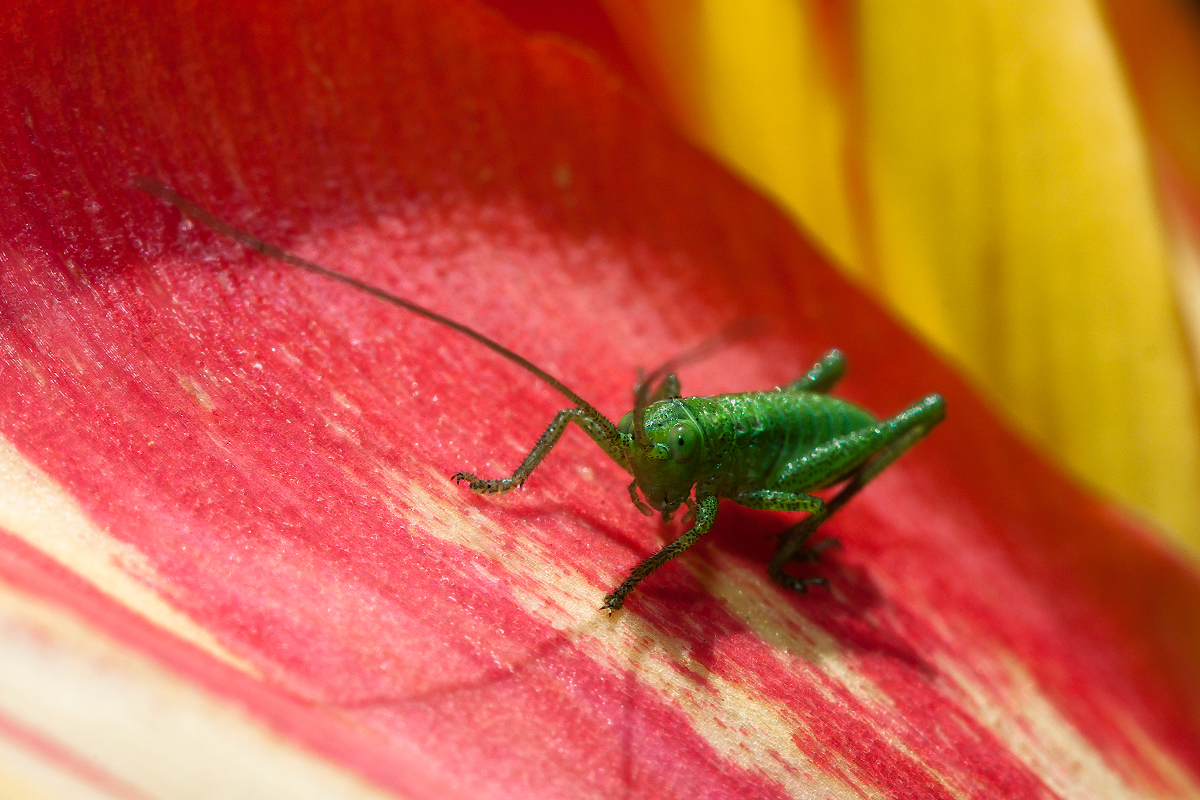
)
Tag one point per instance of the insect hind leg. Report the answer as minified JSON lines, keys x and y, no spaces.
{"x":822,"y":377}
{"x":906,"y":429}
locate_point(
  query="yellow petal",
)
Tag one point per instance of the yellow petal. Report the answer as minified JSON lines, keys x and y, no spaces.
{"x":757,"y":83}
{"x":1008,"y":212}
{"x":1160,"y":47}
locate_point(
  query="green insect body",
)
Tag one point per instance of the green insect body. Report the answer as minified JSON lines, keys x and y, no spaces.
{"x":734,"y":444}
{"x":764,"y":450}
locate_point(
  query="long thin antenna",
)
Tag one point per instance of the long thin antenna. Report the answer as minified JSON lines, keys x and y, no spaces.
{"x":205,"y":217}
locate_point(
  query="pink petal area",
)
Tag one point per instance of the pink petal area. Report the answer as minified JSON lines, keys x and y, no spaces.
{"x":276,"y":450}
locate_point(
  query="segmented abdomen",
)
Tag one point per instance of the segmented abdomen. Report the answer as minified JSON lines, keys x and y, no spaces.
{"x":750,"y":437}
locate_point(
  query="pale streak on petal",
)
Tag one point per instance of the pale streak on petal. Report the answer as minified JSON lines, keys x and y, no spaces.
{"x":773,"y":618}
{"x":38,"y":511}
{"x":24,"y":775}
{"x":1021,"y":717}
{"x":146,"y":727}
{"x":1185,"y":261}
{"x":1037,"y":733}
{"x":751,"y":731}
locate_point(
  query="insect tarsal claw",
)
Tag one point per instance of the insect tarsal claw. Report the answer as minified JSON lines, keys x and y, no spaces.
{"x":478,"y":485}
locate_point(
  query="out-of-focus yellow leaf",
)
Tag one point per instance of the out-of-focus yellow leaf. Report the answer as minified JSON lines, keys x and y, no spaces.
{"x":1160,"y":47}
{"x":758,"y":84}
{"x":982,"y":167}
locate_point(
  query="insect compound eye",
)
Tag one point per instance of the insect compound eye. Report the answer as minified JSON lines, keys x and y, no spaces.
{"x":626,"y":423}
{"x":682,"y":441}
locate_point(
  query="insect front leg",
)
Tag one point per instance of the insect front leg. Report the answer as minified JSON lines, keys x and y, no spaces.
{"x":541,"y":449}
{"x":895,"y":436}
{"x":706,"y":515}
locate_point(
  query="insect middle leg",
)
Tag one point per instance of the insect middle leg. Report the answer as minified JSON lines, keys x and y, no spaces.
{"x":544,"y":444}
{"x":897,"y":435}
{"x":775,"y":500}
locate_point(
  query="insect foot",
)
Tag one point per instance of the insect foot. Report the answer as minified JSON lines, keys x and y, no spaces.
{"x":480,"y":486}
{"x":612,"y":602}
{"x":798,"y":584}
{"x":785,"y":556}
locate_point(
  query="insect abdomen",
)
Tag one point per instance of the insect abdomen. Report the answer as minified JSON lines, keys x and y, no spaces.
{"x":750,"y":437}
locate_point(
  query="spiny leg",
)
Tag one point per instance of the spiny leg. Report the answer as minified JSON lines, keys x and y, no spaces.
{"x":910,"y":426}
{"x":774,"y":500}
{"x":822,"y":377}
{"x":706,"y":514}
{"x":541,"y":449}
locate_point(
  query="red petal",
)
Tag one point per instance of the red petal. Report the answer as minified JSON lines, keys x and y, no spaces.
{"x":272,"y":451}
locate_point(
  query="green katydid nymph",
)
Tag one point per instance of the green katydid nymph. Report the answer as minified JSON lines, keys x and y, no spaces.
{"x":764,"y":450}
